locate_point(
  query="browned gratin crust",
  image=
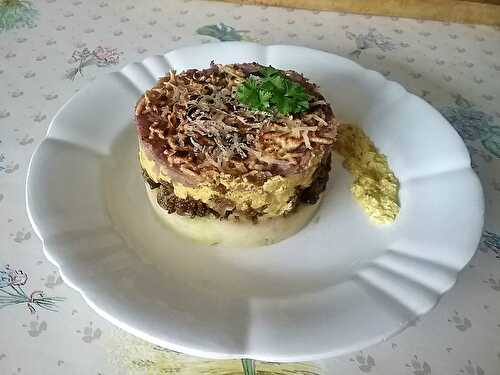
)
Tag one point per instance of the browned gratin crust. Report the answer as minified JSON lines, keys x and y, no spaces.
{"x":193,"y":124}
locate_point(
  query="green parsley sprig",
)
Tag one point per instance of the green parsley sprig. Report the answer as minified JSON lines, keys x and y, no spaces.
{"x":272,"y":91}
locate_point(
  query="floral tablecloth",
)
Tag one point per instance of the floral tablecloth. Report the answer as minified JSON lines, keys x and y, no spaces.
{"x":51,"y":48}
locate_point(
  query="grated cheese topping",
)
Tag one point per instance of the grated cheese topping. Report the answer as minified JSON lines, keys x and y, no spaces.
{"x":195,"y":123}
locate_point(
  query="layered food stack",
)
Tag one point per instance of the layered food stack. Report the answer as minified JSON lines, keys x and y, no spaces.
{"x":240,"y":143}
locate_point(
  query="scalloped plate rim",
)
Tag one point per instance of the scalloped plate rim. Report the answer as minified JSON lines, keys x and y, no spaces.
{"x":191,"y":350}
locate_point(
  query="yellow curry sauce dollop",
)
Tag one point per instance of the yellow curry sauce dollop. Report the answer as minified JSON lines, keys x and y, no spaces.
{"x":375,"y":186}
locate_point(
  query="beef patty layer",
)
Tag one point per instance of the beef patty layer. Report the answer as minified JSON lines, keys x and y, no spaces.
{"x":210,"y":154}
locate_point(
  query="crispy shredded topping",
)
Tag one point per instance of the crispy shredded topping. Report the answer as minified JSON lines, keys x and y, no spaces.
{"x":195,"y":123}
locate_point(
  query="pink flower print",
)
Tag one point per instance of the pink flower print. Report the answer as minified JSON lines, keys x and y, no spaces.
{"x":100,"y":57}
{"x":106,"y":56}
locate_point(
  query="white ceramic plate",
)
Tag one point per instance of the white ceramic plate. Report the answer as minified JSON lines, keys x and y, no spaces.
{"x":337,"y":286}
